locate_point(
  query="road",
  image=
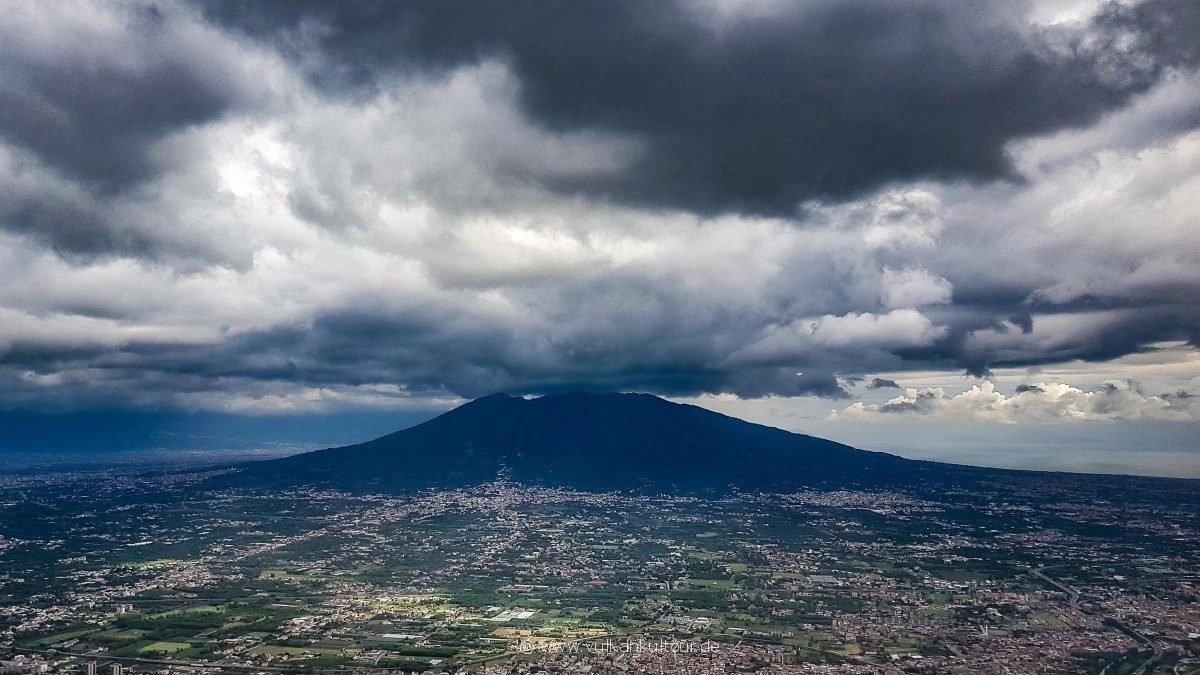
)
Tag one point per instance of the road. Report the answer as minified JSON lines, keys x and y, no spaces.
{"x":1147,"y":665}
{"x":1072,"y":593}
{"x":1073,"y":601}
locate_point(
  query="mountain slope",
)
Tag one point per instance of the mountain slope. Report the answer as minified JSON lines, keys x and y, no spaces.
{"x":592,"y":442}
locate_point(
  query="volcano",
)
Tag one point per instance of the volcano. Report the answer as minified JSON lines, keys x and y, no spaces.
{"x":596,"y":442}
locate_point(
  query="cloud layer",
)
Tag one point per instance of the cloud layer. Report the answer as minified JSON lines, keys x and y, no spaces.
{"x":297,"y":206}
{"x":1035,"y":403}
{"x":756,"y":107}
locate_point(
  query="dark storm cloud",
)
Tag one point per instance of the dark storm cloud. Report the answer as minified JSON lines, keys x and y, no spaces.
{"x":1100,"y":336}
{"x":1022,"y":388}
{"x":430,"y":350}
{"x":94,"y":111}
{"x":977,"y":339}
{"x":71,"y":223}
{"x":1164,"y":29}
{"x":449,"y":199}
{"x":93,"y":100}
{"x":433,"y":350}
{"x":758,"y":111}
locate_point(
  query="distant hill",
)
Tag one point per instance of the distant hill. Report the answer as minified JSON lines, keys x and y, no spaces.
{"x":627,"y":442}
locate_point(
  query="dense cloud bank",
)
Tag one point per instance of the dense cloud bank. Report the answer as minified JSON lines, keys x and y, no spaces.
{"x":1039,"y":402}
{"x":297,"y":206}
{"x":756,"y":107}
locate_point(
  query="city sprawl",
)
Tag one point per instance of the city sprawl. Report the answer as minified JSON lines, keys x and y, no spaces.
{"x":160,"y":573}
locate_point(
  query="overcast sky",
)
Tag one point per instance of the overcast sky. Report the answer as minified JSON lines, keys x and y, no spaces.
{"x":965,"y":230}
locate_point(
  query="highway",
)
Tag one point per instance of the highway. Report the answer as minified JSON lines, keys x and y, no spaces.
{"x":1073,"y":601}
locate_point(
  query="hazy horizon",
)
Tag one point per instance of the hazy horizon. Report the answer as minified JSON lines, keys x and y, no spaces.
{"x":198,"y":439}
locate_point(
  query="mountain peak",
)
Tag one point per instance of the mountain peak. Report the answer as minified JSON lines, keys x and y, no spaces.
{"x":591,"y":441}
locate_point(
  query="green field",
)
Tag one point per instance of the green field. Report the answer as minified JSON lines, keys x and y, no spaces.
{"x":165,"y":647}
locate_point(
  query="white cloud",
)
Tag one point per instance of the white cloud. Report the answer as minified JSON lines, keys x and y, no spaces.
{"x":1039,"y":402}
{"x":914,"y":288}
{"x":899,"y":327}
